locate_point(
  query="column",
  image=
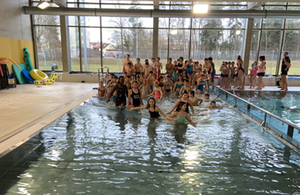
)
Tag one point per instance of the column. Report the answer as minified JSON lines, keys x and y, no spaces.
{"x":64,"y":31}
{"x":247,"y":44}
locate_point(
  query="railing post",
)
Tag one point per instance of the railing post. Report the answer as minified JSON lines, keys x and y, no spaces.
{"x":263,"y":124}
{"x":235,"y":102}
{"x":226,"y":96}
{"x":218,"y":92}
{"x":290,"y":131}
{"x":248,"y":108}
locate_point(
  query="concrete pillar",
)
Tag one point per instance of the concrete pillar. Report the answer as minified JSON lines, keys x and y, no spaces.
{"x":155,"y":37}
{"x":282,"y":40}
{"x":247,"y":44}
{"x":64,"y":31}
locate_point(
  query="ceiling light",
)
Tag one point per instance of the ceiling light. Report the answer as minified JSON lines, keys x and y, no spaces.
{"x":200,"y":8}
{"x":43,"y":4}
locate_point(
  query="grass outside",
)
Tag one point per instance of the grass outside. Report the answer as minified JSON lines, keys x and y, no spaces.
{"x":116,"y":65}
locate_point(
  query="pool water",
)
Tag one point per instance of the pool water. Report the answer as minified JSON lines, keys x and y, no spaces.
{"x":100,"y":149}
{"x":286,"y":105}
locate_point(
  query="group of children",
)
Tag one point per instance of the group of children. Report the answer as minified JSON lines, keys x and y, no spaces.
{"x":232,"y":75}
{"x":130,"y":92}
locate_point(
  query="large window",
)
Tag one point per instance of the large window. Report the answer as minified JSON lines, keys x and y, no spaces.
{"x":48,"y":42}
{"x":105,"y":41}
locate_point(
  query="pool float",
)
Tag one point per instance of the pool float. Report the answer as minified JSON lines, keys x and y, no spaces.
{"x":46,"y":81}
{"x":38,"y":74}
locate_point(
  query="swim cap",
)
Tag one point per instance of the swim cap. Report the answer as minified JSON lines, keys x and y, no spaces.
{"x":202,"y":75}
{"x":156,"y":81}
{"x":144,"y":79}
{"x":101,"y":81}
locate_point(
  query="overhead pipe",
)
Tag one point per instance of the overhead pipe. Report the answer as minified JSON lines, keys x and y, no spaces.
{"x":64,"y":11}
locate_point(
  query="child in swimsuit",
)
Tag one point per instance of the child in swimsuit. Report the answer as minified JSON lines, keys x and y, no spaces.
{"x":185,"y":98}
{"x":200,"y":84}
{"x":186,"y":86}
{"x":190,"y":70}
{"x":154,"y":111}
{"x":135,"y":95}
{"x":168,"y":85}
{"x":180,"y":116}
{"x":145,"y":88}
{"x":157,"y":91}
{"x":150,"y":80}
{"x":161,"y":83}
{"x":252,"y":75}
{"x":213,"y":105}
{"x":193,"y":99}
{"x":121,"y":93}
{"x":101,"y":90}
{"x":178,"y":85}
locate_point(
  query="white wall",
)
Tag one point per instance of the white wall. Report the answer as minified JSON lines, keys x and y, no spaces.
{"x":13,"y":23}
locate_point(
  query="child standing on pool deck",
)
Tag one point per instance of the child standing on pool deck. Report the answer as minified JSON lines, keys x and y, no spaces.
{"x":253,"y":74}
{"x":152,"y":108}
{"x":180,"y":115}
{"x":157,"y":91}
{"x":101,"y":90}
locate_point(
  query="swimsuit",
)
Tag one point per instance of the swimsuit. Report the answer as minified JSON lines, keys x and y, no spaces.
{"x":201,"y":86}
{"x":283,"y":71}
{"x":168,"y":84}
{"x":121,"y":94}
{"x":261,"y":71}
{"x":160,"y":84}
{"x":151,"y":87}
{"x":154,"y":114}
{"x":136,"y":98}
{"x":101,"y":92}
{"x":181,"y":119}
{"x":145,"y":91}
{"x":137,"y":74}
{"x":225,"y":75}
{"x":180,"y":65}
{"x":178,"y":86}
{"x":157,"y":94}
{"x":189,"y":69}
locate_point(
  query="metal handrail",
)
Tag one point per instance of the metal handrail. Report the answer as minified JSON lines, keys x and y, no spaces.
{"x":262,"y":110}
{"x":102,"y":68}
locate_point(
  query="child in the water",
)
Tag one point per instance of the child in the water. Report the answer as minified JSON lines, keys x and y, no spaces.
{"x":157,"y":91}
{"x":185,"y":98}
{"x":213,"y":104}
{"x":154,"y":111}
{"x":145,"y":88}
{"x":200,"y":84}
{"x":101,"y":90}
{"x":180,"y":115}
{"x":194,"y":100}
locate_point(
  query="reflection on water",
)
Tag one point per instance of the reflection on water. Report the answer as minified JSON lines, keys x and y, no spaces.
{"x":99,"y":149}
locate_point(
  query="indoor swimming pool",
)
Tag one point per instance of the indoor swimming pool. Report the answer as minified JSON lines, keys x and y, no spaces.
{"x":285,"y":105}
{"x":100,"y":149}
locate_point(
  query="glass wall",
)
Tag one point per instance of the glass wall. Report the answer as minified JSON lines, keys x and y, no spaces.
{"x":47,"y":42}
{"x":105,"y":41}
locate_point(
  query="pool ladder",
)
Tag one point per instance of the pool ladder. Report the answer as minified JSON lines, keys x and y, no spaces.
{"x":104,"y":76}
